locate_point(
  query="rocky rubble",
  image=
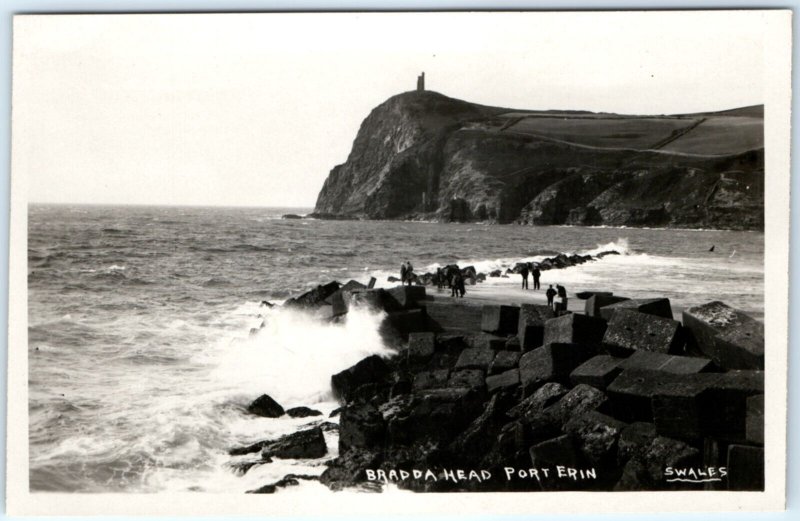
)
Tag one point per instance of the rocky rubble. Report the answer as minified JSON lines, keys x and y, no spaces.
{"x":613,"y":399}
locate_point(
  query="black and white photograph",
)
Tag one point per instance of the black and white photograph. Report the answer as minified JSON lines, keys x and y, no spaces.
{"x":296,"y":259}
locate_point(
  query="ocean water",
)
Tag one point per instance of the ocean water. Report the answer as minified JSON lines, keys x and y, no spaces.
{"x":140,"y":354}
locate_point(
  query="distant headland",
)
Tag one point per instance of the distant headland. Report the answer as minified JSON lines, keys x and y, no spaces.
{"x":423,"y":155}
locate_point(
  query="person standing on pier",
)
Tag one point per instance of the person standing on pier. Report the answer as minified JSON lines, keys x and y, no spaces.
{"x":551,"y":294}
{"x":409,"y":272}
{"x":536,"y":276}
{"x":403,"y":273}
{"x":562,"y":294}
{"x":524,"y":272}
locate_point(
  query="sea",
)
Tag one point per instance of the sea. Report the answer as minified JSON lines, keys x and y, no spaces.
{"x":141,"y":356}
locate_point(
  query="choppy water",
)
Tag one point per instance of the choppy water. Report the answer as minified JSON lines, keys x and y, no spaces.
{"x":140,"y":356}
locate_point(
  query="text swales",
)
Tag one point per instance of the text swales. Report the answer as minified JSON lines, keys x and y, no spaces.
{"x":481,"y":475}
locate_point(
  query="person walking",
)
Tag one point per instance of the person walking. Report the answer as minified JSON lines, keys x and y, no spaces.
{"x":524,"y":272}
{"x":551,"y":294}
{"x":536,"y":276}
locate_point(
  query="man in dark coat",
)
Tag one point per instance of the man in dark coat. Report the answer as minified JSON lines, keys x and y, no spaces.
{"x":551,"y":294}
{"x":524,"y":272}
{"x":536,"y":276}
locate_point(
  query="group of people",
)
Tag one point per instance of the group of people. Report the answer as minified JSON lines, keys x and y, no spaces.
{"x":453,"y":277}
{"x":406,"y":273}
{"x":559,"y":291}
{"x":533,"y":269}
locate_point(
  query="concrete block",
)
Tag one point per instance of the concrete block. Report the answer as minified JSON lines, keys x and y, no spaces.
{"x":406,"y":297}
{"x":530,"y":328}
{"x":550,"y":363}
{"x":597,"y":301}
{"x":574,"y":328}
{"x":754,"y":431}
{"x":630,"y":331}
{"x":503,"y":381}
{"x":500,"y":320}
{"x":598,"y":371}
{"x":454,"y":317}
{"x":659,"y":307}
{"x":651,"y":361}
{"x":503,"y":361}
{"x":731,"y":338}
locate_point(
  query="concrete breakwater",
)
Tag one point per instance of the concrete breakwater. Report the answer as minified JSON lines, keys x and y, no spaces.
{"x":495,"y":397}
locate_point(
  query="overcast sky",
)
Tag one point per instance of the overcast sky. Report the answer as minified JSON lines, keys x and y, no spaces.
{"x":255,"y":109}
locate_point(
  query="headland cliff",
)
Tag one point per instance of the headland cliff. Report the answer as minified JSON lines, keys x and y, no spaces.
{"x":423,"y":155}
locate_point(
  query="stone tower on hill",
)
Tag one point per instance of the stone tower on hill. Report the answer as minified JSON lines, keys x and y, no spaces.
{"x":421,"y":82}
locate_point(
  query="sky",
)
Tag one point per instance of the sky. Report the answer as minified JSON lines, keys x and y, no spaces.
{"x":255,"y":109}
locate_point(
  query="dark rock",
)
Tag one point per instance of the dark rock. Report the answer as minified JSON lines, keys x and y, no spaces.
{"x":557,"y":451}
{"x":745,"y":467}
{"x":374,"y":299}
{"x":503,"y":361}
{"x":348,"y":470}
{"x":421,"y":346}
{"x":597,"y":301}
{"x":477,"y":438}
{"x":289,"y":480}
{"x":291,"y":216}
{"x":504,"y":381}
{"x":533,"y":405}
{"x":755,"y":419}
{"x":732,"y":339}
{"x":596,"y":435}
{"x":240,"y":468}
{"x":630,"y":331}
{"x":665,"y":452}
{"x":550,"y":363}
{"x":302,"y":412}
{"x":315,"y":297}
{"x":327,"y":426}
{"x":335,"y":412}
{"x":647,"y":471}
{"x":651,"y":361}
{"x":431,"y":379}
{"x":361,"y":426}
{"x":472,"y":378}
{"x":307,"y":444}
{"x":369,"y":370}
{"x":475,"y":358}
{"x":407,"y":297}
{"x":530,"y":330}
{"x":573,"y":328}
{"x":581,"y":399}
{"x":265,"y":406}
{"x":500,"y":320}
{"x":598,"y":371}
{"x":634,"y":439}
{"x":659,"y":307}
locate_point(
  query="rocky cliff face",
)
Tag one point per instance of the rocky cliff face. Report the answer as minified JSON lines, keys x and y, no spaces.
{"x":424,"y":155}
